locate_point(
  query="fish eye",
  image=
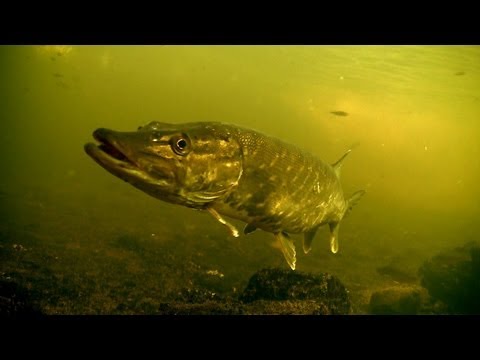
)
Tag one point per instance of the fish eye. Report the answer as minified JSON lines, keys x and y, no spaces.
{"x":180,"y":145}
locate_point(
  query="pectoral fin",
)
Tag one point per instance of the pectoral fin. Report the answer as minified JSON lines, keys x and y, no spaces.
{"x":307,"y":240}
{"x":334,"y":237}
{"x":216,"y":215}
{"x":288,"y":249}
{"x":249,"y":228}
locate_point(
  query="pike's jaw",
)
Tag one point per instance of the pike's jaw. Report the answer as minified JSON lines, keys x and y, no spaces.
{"x":112,"y":159}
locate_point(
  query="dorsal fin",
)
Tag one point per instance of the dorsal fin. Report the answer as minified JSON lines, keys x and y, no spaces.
{"x":338,"y":165}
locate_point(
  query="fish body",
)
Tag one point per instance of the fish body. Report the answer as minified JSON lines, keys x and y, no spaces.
{"x":339,"y":113}
{"x":231,"y":171}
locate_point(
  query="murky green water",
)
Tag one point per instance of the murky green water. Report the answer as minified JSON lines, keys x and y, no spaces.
{"x":79,"y":240}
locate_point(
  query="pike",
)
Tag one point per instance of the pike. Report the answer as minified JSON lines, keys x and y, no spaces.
{"x":231,"y":171}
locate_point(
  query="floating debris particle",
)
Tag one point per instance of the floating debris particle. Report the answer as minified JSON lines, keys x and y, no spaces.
{"x":19,"y":247}
{"x":215,"y":273}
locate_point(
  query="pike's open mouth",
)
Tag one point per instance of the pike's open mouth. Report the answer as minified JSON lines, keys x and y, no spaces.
{"x":113,"y":152}
{"x":107,"y":153}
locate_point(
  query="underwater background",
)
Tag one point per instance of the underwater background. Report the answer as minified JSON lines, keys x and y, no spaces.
{"x":76,"y":240}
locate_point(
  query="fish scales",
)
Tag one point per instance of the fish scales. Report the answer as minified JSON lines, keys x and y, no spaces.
{"x":289,"y":183}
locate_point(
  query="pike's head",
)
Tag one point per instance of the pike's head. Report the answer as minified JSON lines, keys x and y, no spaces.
{"x":188,"y":164}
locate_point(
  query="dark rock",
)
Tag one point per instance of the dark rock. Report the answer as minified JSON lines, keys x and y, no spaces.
{"x":397,"y":300}
{"x":281,"y":285}
{"x":15,"y":301}
{"x":269,"y":292}
{"x":453,"y":277}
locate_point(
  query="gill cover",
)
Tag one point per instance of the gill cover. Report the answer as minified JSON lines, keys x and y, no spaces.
{"x":200,"y":161}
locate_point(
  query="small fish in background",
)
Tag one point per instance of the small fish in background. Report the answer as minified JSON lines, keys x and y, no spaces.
{"x":460,"y":73}
{"x":57,"y":75}
{"x":339,"y":113}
